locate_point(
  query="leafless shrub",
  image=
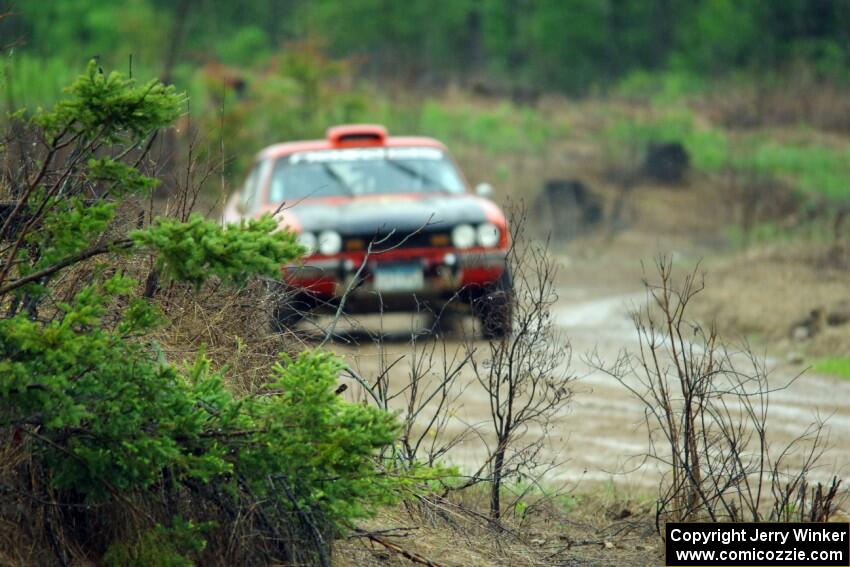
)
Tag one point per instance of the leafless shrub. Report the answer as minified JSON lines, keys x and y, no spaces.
{"x":431,"y":397}
{"x":427,"y":397}
{"x":706,"y":411}
{"x":525,"y":376}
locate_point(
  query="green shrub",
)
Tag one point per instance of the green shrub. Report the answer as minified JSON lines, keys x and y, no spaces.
{"x":106,"y":416}
{"x":159,"y":546}
{"x":195,"y":250}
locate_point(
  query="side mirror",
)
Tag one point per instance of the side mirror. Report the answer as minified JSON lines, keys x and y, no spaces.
{"x":484,"y":190}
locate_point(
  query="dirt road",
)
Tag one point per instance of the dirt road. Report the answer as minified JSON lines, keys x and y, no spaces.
{"x":601,"y":436}
{"x":607,"y":425}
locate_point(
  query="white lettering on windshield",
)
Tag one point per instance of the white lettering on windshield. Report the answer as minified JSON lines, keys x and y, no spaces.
{"x":361,"y":154}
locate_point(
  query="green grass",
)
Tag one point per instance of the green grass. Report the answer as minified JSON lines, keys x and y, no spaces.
{"x":29,"y":81}
{"x":835,"y":365}
{"x":503,"y":129}
{"x":818,"y":170}
{"x":660,"y":87}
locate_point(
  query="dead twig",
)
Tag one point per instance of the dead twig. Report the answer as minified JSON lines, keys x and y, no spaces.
{"x":409,"y":555}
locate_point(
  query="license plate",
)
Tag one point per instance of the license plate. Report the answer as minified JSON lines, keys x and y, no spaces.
{"x":399,"y":278}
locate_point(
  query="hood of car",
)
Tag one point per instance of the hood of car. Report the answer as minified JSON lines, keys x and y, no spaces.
{"x":382,"y":214}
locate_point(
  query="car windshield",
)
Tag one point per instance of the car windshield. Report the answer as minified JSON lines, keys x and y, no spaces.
{"x":363,"y":171}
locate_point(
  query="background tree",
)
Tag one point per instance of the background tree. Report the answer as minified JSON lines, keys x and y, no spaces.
{"x":571,"y":46}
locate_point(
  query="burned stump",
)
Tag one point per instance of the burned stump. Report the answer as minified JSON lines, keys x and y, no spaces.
{"x":569,"y":206}
{"x":667,"y":163}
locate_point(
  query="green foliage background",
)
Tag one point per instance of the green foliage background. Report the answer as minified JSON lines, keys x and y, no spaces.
{"x":571,"y":45}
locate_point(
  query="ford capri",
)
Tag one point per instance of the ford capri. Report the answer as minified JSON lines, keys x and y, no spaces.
{"x":388,"y":224}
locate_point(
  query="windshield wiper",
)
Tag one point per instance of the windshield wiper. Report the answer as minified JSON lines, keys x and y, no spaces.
{"x":417,"y":175}
{"x":334,"y":174}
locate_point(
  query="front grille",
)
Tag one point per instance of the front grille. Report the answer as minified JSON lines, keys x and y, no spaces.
{"x":384,"y":240}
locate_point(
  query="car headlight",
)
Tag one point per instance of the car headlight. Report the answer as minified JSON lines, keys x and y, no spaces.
{"x":463,"y":236}
{"x":330,"y":242}
{"x":488,"y":234}
{"x":308,"y":241}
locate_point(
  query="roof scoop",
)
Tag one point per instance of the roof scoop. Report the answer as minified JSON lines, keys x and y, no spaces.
{"x":357,"y":135}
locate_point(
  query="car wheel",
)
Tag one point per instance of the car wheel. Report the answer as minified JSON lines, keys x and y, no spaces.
{"x":289,"y":308}
{"x":494,"y":308}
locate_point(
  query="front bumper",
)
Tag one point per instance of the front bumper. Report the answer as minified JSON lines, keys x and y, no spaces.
{"x":445,"y":273}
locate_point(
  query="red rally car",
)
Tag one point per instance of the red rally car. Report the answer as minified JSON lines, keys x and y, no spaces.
{"x":388,"y":221}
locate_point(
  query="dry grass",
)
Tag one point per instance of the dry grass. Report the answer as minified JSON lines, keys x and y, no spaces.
{"x":17,"y":545}
{"x":230,"y":326}
{"x":763,"y":292}
{"x":802,"y":98}
{"x":601,"y":529}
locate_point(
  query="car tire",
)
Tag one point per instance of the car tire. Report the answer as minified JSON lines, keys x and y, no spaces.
{"x":494,"y":308}
{"x":288,"y":308}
